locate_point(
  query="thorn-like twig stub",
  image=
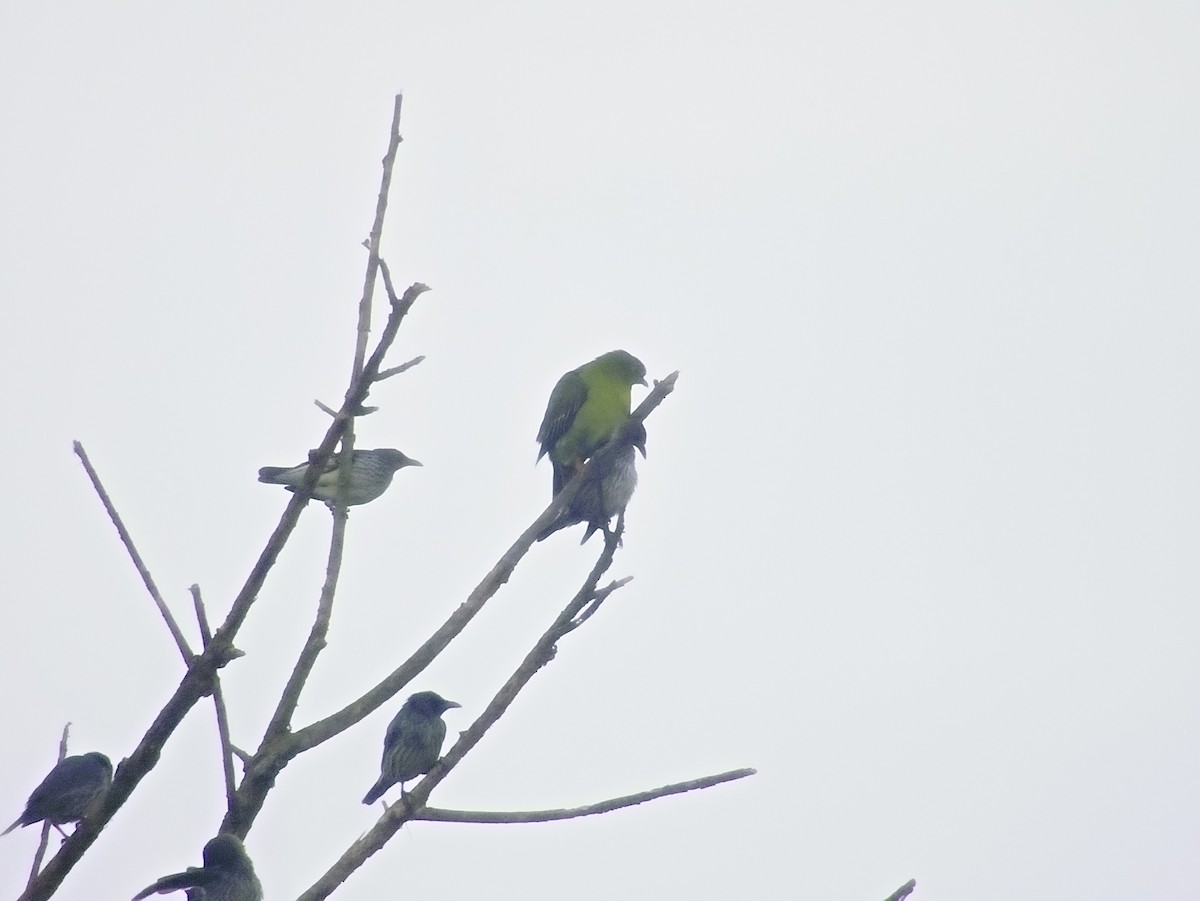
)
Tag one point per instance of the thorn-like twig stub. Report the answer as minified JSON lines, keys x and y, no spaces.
{"x":228,"y":655}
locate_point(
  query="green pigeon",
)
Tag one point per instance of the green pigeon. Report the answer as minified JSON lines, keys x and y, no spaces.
{"x":586,"y":406}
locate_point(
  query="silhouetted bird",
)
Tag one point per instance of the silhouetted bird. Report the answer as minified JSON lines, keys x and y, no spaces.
{"x":413,"y":742}
{"x":68,"y":791}
{"x":371,"y":473}
{"x":586,"y":406}
{"x":227,"y":875}
{"x":605,"y":494}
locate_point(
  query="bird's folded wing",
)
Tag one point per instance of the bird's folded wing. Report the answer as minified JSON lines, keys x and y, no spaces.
{"x":565,"y":400}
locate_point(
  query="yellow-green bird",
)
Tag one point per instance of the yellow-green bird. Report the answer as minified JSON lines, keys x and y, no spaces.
{"x":586,"y":406}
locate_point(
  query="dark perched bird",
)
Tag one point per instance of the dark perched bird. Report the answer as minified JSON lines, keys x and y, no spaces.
{"x":413,"y":742}
{"x":586,"y":406}
{"x":605,"y":494}
{"x":227,"y":875}
{"x":371,"y":472}
{"x":68,"y":791}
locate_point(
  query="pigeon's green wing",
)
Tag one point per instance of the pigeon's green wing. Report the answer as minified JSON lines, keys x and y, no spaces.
{"x":566,"y":400}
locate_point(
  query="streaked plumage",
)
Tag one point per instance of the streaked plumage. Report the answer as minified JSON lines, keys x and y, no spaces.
{"x":605,"y":494}
{"x":371,"y":473}
{"x":68,"y":791}
{"x":413,"y":742}
{"x":586,"y":406}
{"x":227,"y":875}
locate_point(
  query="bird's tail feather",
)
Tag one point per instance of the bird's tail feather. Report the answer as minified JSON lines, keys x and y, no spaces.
{"x":376,"y":791}
{"x":560,"y":523}
{"x":271,"y":473}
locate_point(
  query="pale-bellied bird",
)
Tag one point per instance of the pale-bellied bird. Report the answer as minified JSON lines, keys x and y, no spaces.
{"x":371,"y":473}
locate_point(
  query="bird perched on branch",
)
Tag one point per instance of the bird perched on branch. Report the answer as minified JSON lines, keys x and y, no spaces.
{"x":371,"y":473}
{"x":586,"y":406}
{"x":227,"y":875}
{"x":68,"y":791}
{"x":413,"y":742}
{"x":606,"y":493}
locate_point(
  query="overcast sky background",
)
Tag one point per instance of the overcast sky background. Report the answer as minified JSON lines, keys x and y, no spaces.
{"x":916,"y":535}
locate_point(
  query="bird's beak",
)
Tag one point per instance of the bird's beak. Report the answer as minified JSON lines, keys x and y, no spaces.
{"x":643,"y":382}
{"x":450,"y":704}
{"x":412,"y":462}
{"x":642,"y":448}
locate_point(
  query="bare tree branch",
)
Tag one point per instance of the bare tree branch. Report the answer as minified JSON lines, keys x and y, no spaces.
{"x":127,"y":540}
{"x":387,"y":281}
{"x":404,"y":809}
{"x":44,"y":842}
{"x":218,"y":700}
{"x":197,"y":681}
{"x":603,"y":593}
{"x":440,"y":815}
{"x":282,"y":718}
{"x":396,"y":370}
{"x":903,"y":892}
{"x":381,"y":202}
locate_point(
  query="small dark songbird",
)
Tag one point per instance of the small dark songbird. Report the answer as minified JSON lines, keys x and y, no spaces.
{"x":68,"y":791}
{"x":371,"y":473}
{"x":413,"y":742}
{"x":227,"y":875}
{"x":605,"y":494}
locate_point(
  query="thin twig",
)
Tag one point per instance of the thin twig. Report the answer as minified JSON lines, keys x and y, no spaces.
{"x":441,"y":815}
{"x":147,"y":579}
{"x":325,"y":408}
{"x":903,"y":892}
{"x":44,"y":842}
{"x":381,"y":203}
{"x":396,"y":370}
{"x":218,"y":701}
{"x":601,"y":594}
{"x":404,"y":809}
{"x":290,"y":698}
{"x":387,"y":281}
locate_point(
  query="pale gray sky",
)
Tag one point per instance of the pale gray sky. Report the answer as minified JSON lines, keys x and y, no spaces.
{"x":916,"y":535}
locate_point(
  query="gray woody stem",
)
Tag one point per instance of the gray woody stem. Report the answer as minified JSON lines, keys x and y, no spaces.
{"x":126,"y":540}
{"x":403,"y":810}
{"x":197,"y":681}
{"x":903,"y":892}
{"x":218,"y":700}
{"x":439,"y":815}
{"x":45,"y":839}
